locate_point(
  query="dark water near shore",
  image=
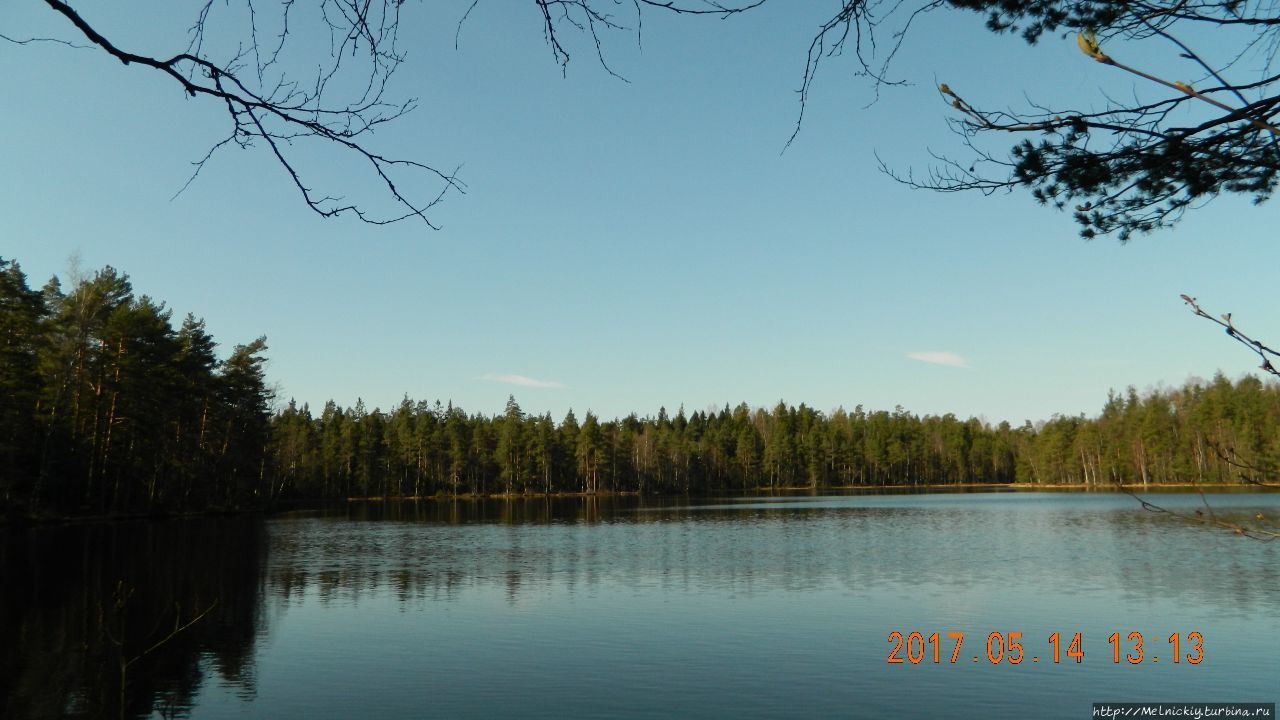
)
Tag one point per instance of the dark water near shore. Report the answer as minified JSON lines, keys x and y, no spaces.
{"x":639,"y":607}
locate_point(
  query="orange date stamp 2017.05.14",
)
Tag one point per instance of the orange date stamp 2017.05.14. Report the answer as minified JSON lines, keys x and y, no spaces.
{"x":1133,"y":648}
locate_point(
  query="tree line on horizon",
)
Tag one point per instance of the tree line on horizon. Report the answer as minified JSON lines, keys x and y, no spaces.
{"x":109,"y":409}
{"x":1208,"y":432}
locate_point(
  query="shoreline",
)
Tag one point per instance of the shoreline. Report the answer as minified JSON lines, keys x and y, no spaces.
{"x":798,"y":489}
{"x":54,"y":519}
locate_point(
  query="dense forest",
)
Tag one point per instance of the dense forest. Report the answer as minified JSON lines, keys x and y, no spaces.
{"x":1166,"y":436}
{"x":109,"y":409}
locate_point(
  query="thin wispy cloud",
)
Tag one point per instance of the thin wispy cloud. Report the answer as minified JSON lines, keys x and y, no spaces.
{"x":522,"y":381}
{"x":948,"y":359}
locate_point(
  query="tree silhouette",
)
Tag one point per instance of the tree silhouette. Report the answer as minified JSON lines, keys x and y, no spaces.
{"x":1132,"y":166}
{"x":1137,"y":164}
{"x":277,"y":95}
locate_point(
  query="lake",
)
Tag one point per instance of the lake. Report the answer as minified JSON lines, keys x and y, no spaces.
{"x":640,"y":607}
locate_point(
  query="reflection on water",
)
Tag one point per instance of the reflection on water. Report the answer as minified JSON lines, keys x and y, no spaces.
{"x":641,"y":607}
{"x":1100,"y":542}
{"x":77,"y":602}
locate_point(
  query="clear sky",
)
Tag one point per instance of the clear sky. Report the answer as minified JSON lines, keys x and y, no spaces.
{"x":628,"y":245}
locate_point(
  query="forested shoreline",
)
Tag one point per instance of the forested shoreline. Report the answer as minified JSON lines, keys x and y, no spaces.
{"x":1202,"y":432}
{"x":109,"y":409}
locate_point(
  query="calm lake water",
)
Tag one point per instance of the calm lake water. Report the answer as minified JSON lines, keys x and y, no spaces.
{"x":639,"y":607}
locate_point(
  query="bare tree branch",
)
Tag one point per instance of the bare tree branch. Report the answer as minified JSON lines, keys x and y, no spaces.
{"x":1249,"y":472}
{"x":31,"y":40}
{"x":1263,"y":352}
{"x":1202,"y":518}
{"x":1131,"y":167}
{"x":586,"y":18}
{"x":268,"y":106}
{"x":279,"y":113}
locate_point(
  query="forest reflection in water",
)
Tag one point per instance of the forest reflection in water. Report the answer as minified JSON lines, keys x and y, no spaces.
{"x":78,"y":601}
{"x":1105,"y":542}
{"x":824,"y":576}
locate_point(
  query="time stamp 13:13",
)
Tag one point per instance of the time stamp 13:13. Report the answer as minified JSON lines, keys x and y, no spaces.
{"x":1011,"y":648}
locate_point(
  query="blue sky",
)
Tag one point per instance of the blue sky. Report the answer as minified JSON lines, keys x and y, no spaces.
{"x":628,"y":245}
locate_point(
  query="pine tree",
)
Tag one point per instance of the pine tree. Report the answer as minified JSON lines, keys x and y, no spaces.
{"x":22,"y":336}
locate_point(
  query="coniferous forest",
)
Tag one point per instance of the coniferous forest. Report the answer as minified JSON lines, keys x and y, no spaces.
{"x":109,"y":409}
